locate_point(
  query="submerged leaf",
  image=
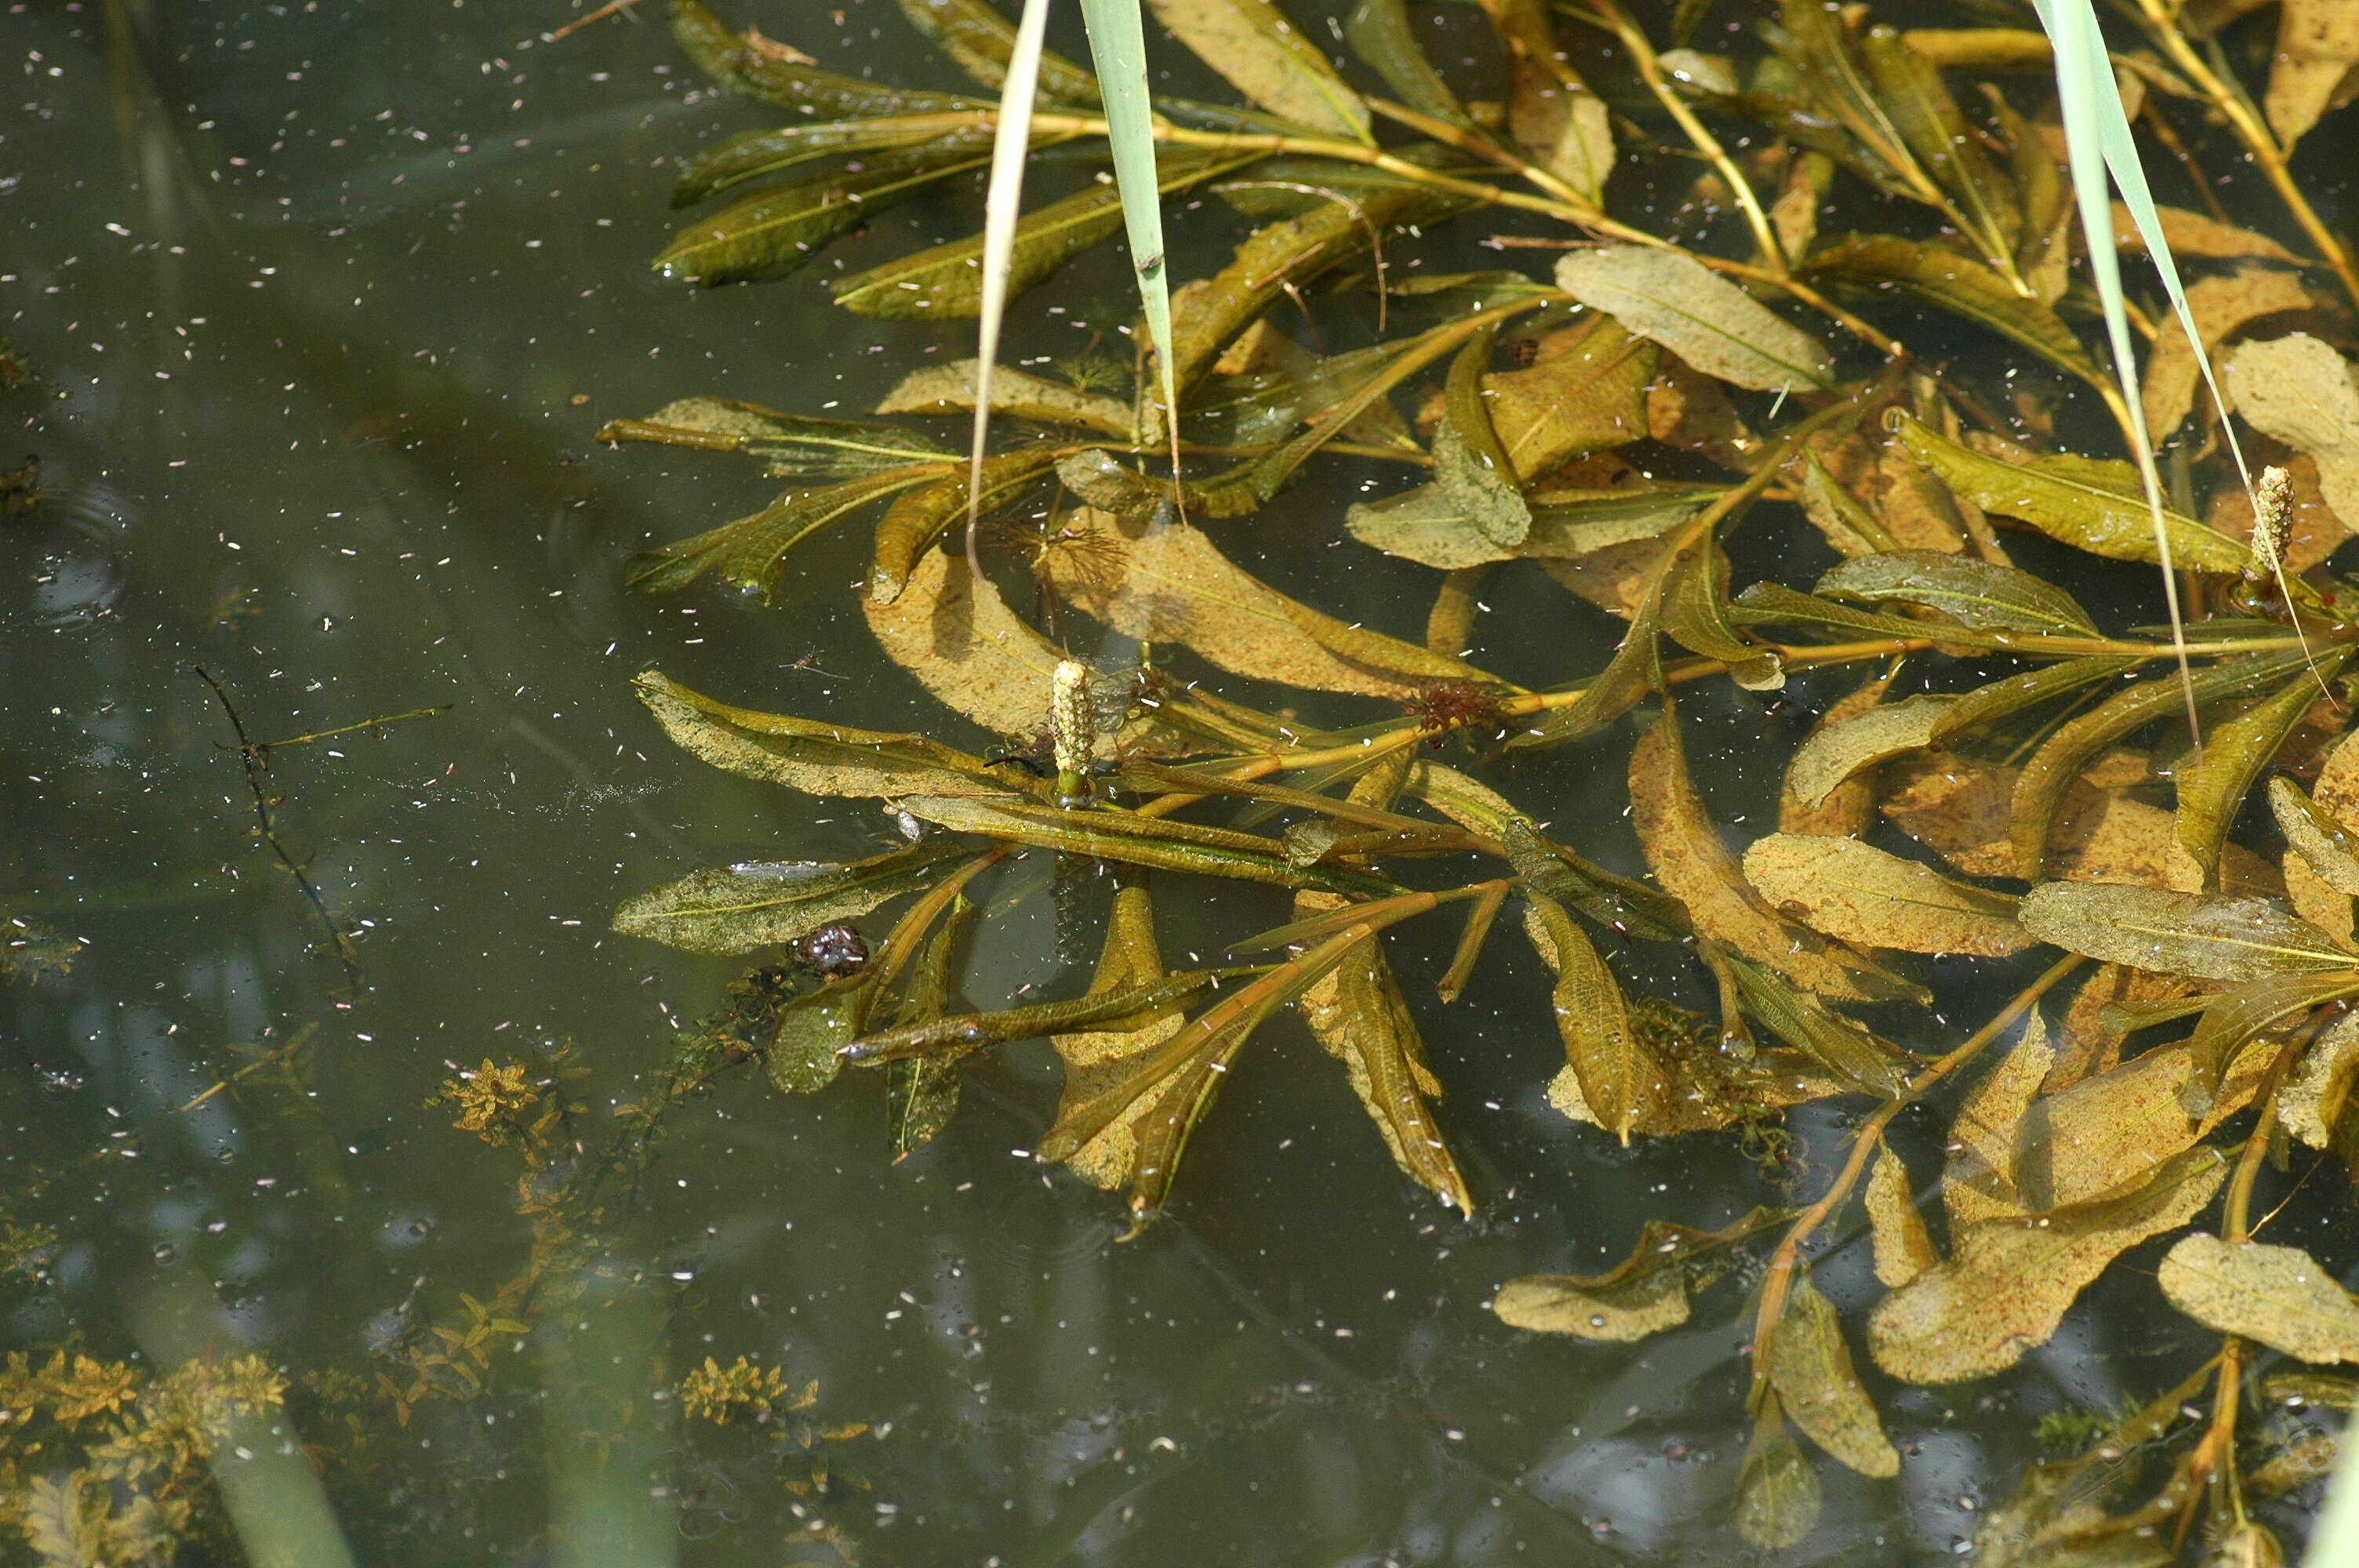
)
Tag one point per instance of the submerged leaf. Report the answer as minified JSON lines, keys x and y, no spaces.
{"x":788,"y":444}
{"x":749,"y":552}
{"x":973,"y":654}
{"x":919,"y":519}
{"x":1620,"y":1079}
{"x":1425,"y":526}
{"x":2217,"y":937}
{"x":811,"y":1028}
{"x":778,"y":228}
{"x":792,"y":82}
{"x":2279,"y":1295}
{"x":1810,"y":1366}
{"x":1471,"y":466}
{"x":1777,"y":1491}
{"x":2213,"y":785}
{"x":2223,"y":306}
{"x":982,"y":41}
{"x":733,"y":909}
{"x":1974,"y":592}
{"x":806,"y":754}
{"x":1959,"y":284}
{"x":1835,"y":752}
{"x":1862,"y":895}
{"x":2330,"y":849}
{"x":2116,"y":1128}
{"x":1093,"y":1058}
{"x":2299,"y":390}
{"x":1252,"y":44}
{"x":949,"y":389}
{"x":1668,"y":296}
{"x":2317,"y":53}
{"x":1903,"y":1247}
{"x":1643,"y":1294}
{"x":2009,"y":1281}
{"x":2073,"y":499}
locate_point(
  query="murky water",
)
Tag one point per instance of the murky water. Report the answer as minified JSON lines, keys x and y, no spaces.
{"x":325,"y":301}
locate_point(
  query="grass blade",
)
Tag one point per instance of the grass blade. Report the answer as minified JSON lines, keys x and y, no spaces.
{"x":1118,"y":48}
{"x":1002,"y":208}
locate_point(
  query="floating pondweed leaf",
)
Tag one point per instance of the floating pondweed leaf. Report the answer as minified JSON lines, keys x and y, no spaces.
{"x":2299,"y":390}
{"x":982,"y":41}
{"x":1810,"y":1366}
{"x":806,"y":754}
{"x":1136,"y":840}
{"x":1972,"y":592}
{"x":2193,"y":234}
{"x":1261,"y":54}
{"x":1584,"y":391}
{"x":1904,"y":1249}
{"x":2074,"y":499}
{"x":2212,"y":935}
{"x":965,"y":646}
{"x":1959,"y":284}
{"x":788,"y":444}
{"x":1093,"y":1058}
{"x":1855,"y":893}
{"x":2279,"y":1295}
{"x":2317,"y":51}
{"x":812,"y":1028}
{"x":1777,"y":1491}
{"x":1668,"y":296}
{"x":2212,"y":786}
{"x":949,"y":389}
{"x":774,"y":229}
{"x":2223,"y":306}
{"x":1161,"y":582}
{"x":748,"y":553}
{"x":1425,"y":526}
{"x":1684,"y":849}
{"x":918,"y":519}
{"x":1643,"y":1294}
{"x":2009,"y":1281}
{"x":1834,"y":752}
{"x":1357,"y":1014}
{"x":2116,"y":1128}
{"x":757,"y":153}
{"x":1621,"y":1081}
{"x":1986,"y":1136}
{"x":1550,"y":109}
{"x":1845,"y":810}
{"x":734,"y":909}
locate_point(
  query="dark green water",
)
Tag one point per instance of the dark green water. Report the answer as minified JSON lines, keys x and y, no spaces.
{"x":325,"y":302}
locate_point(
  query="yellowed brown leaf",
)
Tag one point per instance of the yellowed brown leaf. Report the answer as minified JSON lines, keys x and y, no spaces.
{"x":2279,"y":1295}
{"x":2113,"y":1130}
{"x":1860,"y":894}
{"x":1846,"y":808}
{"x":1810,"y":1365}
{"x":1903,"y":1247}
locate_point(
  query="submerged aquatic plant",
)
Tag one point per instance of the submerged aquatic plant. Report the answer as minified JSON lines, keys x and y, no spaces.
{"x":2011,"y":774}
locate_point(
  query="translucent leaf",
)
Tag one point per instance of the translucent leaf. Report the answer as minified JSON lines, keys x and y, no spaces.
{"x":1776,"y":1490}
{"x":2213,"y":785}
{"x":1975,"y":592}
{"x":802,"y":1056}
{"x":1952,"y":281}
{"x":1834,"y":1042}
{"x":1470,"y":465}
{"x":1903,"y":1247}
{"x":1129,"y":958}
{"x":1694,"y":614}
{"x":734,"y":909}
{"x":1716,"y":327}
{"x":1856,"y":893}
{"x":2331,"y":850}
{"x":2116,"y":1128}
{"x":966,"y":648}
{"x":2013,"y":695}
{"x":1643,"y":1294}
{"x":2009,"y":1281}
{"x":949,"y":389}
{"x":2299,"y":390}
{"x":2058,"y":496}
{"x":1425,"y":526}
{"x":1262,"y":55}
{"x":2316,"y":1100}
{"x":2209,"y":934}
{"x":1684,"y":849}
{"x":918,"y":519}
{"x":806,"y":754}
{"x":1358,"y":1015}
{"x":2279,"y":1295}
{"x":981,"y":40}
{"x":778,"y":228}
{"x":1982,"y":1180}
{"x":1810,"y":1366}
{"x":1123,"y":1007}
{"x":788,"y":444}
{"x":749,"y":552}
{"x":1834,"y":753}
{"x":1909,"y":87}
{"x":922,"y":1097}
{"x":1166,"y":582}
{"x":1845,"y":810}
{"x":1620,"y":1078}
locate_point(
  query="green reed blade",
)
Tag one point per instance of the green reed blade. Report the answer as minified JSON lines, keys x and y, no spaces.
{"x":1118,"y":48}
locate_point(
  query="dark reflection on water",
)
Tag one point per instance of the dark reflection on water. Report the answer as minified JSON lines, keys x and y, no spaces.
{"x":326,"y":300}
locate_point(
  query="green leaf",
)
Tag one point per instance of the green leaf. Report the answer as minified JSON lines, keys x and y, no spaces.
{"x":778,"y":228}
{"x":2212,"y":785}
{"x":1424,"y":526}
{"x":1975,"y":592}
{"x":805,"y":754}
{"x":811,"y":1029}
{"x":1123,"y":1009}
{"x":1262,"y":55}
{"x":757,"y":153}
{"x":1379,"y":33}
{"x":789,"y":444}
{"x":1952,"y":281}
{"x":747,"y":553}
{"x":919,"y":518}
{"x":1118,"y":45}
{"x":2053,"y":768}
{"x":1645,"y":1294}
{"x":1911,"y":90}
{"x":981,"y":41}
{"x":1694,"y":614}
{"x":734,"y":909}
{"x":1620,"y":1078}
{"x":1777,"y":1493}
{"x":1810,"y":1365}
{"x":2005,"y":698}
{"x":946,"y":280}
{"x":2009,"y":1281}
{"x":1136,"y":840}
{"x":2205,"y":934}
{"x":1806,"y":1023}
{"x":1471,"y":468}
{"x":2057,"y":497}
{"x":793,"y":84}
{"x":1618,"y":903}
{"x":1668,"y":296}
{"x":1358,"y":1014}
{"x":950,"y":389}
